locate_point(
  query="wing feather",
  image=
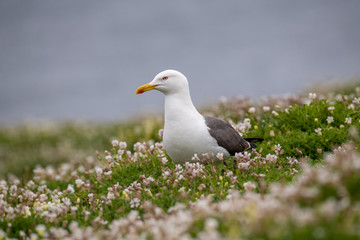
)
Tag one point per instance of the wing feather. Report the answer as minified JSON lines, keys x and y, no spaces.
{"x":226,"y":136}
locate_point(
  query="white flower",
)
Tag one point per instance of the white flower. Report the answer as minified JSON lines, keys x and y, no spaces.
{"x":164,"y":160}
{"x":115,"y":143}
{"x":348,"y":120}
{"x":220,"y":156}
{"x":351,"y":106}
{"x":356,"y":100}
{"x":40,"y":229}
{"x":108,"y":158}
{"x":110,"y":196}
{"x":43,"y":197}
{"x":312,"y":96}
{"x":247,"y":120}
{"x":266,"y":108}
{"x":30,"y":184}
{"x":122,"y":145}
{"x":330,"y":120}
{"x":275,"y":113}
{"x":134,"y":203}
{"x":244,"y":166}
{"x":277,"y":147}
{"x":98,"y":171}
{"x":70,"y":188}
{"x":251,"y":110}
{"x":249,"y":186}
{"x":331,"y":108}
{"x":318,"y":131}
{"x":166,"y":174}
{"x":161,"y":132}
{"x":211,"y":224}
{"x":271,"y":158}
{"x":79,"y":182}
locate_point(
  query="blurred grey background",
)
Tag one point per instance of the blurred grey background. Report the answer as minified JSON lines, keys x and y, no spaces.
{"x":84,"y":59}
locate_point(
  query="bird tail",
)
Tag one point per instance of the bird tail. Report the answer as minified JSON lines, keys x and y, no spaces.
{"x":252,"y":142}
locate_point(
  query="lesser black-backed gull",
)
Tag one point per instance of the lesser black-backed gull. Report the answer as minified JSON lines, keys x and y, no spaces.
{"x":186,"y":131}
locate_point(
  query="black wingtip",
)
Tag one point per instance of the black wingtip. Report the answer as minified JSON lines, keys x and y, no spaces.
{"x":252,"y":141}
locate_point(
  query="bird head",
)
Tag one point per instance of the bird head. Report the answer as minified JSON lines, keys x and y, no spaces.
{"x":167,"y":82}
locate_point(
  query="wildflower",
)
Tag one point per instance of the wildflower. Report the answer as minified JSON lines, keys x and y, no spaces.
{"x":318,"y":131}
{"x":348,"y":120}
{"x":211,"y":224}
{"x":331,"y":109}
{"x":272,"y":133}
{"x":266,"y":108}
{"x":70,"y":189}
{"x":164,"y":160}
{"x":73,"y":208}
{"x":319,"y":150}
{"x":30,"y":184}
{"x":252,"y":110}
{"x":79,"y":182}
{"x":166,"y":174}
{"x":275,"y":113}
{"x":277,"y":147}
{"x":134,"y":203}
{"x":43,"y":197}
{"x":244,"y":166}
{"x":330,"y":119}
{"x":40,"y":229}
{"x":13,"y":190}
{"x":26,"y":211}
{"x":312,"y":96}
{"x":271,"y":158}
{"x":122,"y":145}
{"x":195,"y":158}
{"x":161,"y":132}
{"x":351,"y":106}
{"x":229,"y":173}
{"x":220,"y":156}
{"x":108,"y":158}
{"x":249,"y":186}
{"x":66,"y":201}
{"x":98,"y":171}
{"x":356,"y":100}
{"x":110,"y":196}
{"x":201,"y":187}
{"x":316,"y":119}
{"x":115,"y":143}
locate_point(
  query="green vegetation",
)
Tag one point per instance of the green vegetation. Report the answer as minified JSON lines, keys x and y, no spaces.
{"x":55,"y":185}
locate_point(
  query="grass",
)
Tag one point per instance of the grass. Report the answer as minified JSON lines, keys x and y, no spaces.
{"x":301,"y":182}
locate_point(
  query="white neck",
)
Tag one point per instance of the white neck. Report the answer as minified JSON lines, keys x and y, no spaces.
{"x":179,"y":107}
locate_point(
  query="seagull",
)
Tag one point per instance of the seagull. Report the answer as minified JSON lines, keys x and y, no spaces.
{"x":186,"y":131}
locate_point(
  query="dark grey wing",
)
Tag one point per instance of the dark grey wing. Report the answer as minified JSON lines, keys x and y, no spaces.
{"x":226,"y":136}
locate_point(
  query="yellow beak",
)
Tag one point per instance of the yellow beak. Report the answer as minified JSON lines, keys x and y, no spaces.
{"x":144,"y":88}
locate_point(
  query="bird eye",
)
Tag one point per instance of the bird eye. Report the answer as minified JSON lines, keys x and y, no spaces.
{"x":164,"y":78}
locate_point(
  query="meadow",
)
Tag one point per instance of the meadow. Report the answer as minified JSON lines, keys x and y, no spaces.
{"x":79,"y":180}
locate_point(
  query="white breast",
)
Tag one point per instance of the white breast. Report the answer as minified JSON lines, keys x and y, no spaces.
{"x":186,"y":133}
